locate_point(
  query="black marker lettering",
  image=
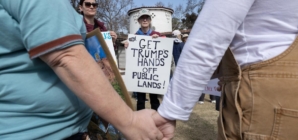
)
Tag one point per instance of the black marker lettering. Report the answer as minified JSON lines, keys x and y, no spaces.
{"x":141,"y":43}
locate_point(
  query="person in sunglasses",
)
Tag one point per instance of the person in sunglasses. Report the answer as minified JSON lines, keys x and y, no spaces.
{"x":88,"y":10}
{"x":49,"y":83}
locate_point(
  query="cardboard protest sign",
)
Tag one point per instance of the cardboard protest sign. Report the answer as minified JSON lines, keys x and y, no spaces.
{"x":99,"y":50}
{"x":148,"y":63}
{"x":97,"y":46}
{"x":211,"y":87}
{"x":108,"y":39}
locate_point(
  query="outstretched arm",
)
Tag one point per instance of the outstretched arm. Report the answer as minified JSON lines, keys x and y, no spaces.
{"x":60,"y":45}
{"x":77,"y":69}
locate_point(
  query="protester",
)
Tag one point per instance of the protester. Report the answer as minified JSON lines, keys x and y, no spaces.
{"x":259,"y":69}
{"x":88,"y":10}
{"x":144,"y":19}
{"x":202,"y":98}
{"x":178,"y":45}
{"x":184,"y":38}
{"x":48,"y":80}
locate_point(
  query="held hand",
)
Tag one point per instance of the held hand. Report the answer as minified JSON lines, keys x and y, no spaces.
{"x":167,"y":127}
{"x":113,"y":35}
{"x":155,"y":36}
{"x":125,"y":43}
{"x":142,"y":127}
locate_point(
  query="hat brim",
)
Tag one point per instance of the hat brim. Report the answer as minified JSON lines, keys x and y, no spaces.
{"x":144,"y":15}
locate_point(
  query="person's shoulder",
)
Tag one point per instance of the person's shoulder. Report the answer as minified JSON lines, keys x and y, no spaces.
{"x":101,"y":25}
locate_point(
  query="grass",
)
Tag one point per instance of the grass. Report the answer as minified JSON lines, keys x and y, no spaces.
{"x":202,"y":124}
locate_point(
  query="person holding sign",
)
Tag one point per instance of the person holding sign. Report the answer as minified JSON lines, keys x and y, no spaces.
{"x":49,"y":82}
{"x":144,"y":20}
{"x":88,"y":10}
{"x":255,"y":39}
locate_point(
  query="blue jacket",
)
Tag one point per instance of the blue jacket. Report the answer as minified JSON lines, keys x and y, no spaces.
{"x":177,"y":49}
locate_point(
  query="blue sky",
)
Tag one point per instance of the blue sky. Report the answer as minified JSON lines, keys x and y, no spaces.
{"x":139,"y":3}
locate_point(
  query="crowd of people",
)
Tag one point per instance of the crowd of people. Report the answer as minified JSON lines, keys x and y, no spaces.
{"x":50,"y":85}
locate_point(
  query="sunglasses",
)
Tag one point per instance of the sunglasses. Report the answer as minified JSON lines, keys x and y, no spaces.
{"x":88,"y":4}
{"x":145,"y":17}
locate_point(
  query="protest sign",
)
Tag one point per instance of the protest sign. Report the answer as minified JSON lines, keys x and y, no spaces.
{"x":211,"y":87}
{"x":96,"y":44}
{"x":108,"y":39}
{"x":148,"y":63}
{"x":97,"y":47}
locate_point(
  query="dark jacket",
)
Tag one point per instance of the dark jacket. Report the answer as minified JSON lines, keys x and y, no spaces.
{"x":177,"y":49}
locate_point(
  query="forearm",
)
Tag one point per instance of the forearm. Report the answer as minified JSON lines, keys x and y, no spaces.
{"x":77,"y":69}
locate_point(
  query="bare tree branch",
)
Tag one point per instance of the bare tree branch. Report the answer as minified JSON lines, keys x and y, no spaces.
{"x":180,"y":12}
{"x":159,"y":4}
{"x":114,"y":14}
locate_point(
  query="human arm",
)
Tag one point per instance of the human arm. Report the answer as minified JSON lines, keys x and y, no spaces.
{"x":210,"y":37}
{"x":60,"y":45}
{"x":77,"y":69}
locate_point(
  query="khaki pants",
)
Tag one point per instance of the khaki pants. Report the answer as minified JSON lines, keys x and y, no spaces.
{"x":260,"y":101}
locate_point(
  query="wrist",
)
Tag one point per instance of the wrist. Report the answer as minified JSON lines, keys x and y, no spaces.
{"x":125,"y":121}
{"x":163,"y":119}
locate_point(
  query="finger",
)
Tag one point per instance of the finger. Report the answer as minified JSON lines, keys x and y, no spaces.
{"x":159,"y":135}
{"x":156,"y":118}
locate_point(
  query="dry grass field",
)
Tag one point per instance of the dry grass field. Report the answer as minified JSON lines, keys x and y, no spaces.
{"x":202,"y":124}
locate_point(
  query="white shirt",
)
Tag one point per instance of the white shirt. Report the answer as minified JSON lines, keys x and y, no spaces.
{"x":255,"y":30}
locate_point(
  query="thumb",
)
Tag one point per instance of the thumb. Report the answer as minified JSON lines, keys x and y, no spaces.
{"x":158,"y":119}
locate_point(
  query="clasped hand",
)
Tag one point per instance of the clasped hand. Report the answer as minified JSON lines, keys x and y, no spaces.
{"x":149,"y":125}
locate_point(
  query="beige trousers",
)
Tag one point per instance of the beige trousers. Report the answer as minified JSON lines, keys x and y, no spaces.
{"x":260,"y":101}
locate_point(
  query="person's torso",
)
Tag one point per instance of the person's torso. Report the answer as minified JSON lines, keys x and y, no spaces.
{"x":268,"y":29}
{"x":177,"y":49}
{"x":34,"y":102}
